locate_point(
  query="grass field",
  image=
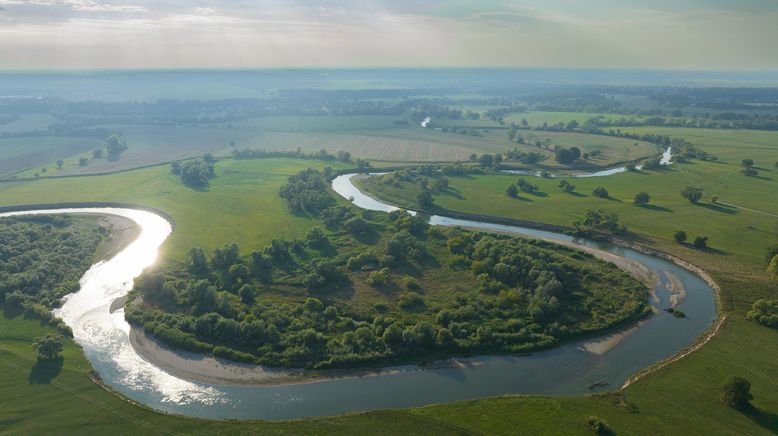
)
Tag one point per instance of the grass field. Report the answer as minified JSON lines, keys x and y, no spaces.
{"x":36,"y":152}
{"x":682,"y":398}
{"x":200,"y":217}
{"x":736,"y":257}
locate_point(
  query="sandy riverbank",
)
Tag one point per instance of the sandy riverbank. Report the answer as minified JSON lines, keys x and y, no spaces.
{"x":213,"y":370}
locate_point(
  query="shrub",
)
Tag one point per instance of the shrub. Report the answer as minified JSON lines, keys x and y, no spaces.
{"x":597,"y":425}
{"x":700,"y":242}
{"x":692,"y":194}
{"x":736,"y":393}
{"x":765,"y":312}
{"x":410,"y":301}
{"x":680,"y":236}
{"x":642,"y":198}
{"x":600,"y":192}
{"x":378,"y":278}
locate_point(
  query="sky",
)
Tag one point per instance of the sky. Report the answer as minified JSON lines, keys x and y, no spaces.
{"x":633,"y":34}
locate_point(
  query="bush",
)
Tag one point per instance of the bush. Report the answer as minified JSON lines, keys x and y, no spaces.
{"x":680,"y":236}
{"x":410,"y":301}
{"x":379,"y":278}
{"x":600,"y":192}
{"x":700,"y":242}
{"x":765,"y":312}
{"x":642,"y":198}
{"x":692,"y":194}
{"x":597,"y":426}
{"x":736,"y":393}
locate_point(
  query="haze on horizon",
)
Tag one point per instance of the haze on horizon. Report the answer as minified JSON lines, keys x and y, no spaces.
{"x":639,"y":34}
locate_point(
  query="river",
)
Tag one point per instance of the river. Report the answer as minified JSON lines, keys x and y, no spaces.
{"x":565,"y":370}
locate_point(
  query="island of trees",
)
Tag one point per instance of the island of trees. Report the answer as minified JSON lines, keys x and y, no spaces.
{"x":369,"y":288}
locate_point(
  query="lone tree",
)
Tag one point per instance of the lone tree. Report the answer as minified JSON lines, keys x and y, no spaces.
{"x":566,"y":186}
{"x":600,"y":192}
{"x":48,"y":347}
{"x":115,"y":144}
{"x":700,"y":242}
{"x":512,"y":191}
{"x":642,"y":198}
{"x":692,"y":194}
{"x":680,"y":236}
{"x":736,"y":393}
{"x":747,"y":163}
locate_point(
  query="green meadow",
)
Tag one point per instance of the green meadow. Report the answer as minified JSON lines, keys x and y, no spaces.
{"x":240,"y":187}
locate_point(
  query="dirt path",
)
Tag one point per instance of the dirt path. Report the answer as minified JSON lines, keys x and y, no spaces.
{"x":745,"y":208}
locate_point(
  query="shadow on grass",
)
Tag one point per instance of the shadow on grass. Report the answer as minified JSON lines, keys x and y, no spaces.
{"x":762,"y":418}
{"x":45,"y":370}
{"x":452,"y":193}
{"x":655,"y":207}
{"x":769,"y":179}
{"x":575,"y":194}
{"x":718,"y":208}
{"x":539,"y":194}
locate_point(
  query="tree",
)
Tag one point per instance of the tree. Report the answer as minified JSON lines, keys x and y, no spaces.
{"x":512,"y":191}
{"x":343,"y":156}
{"x":316,"y":238}
{"x":424,"y":198}
{"x":83,"y":161}
{"x":566,"y":186}
{"x":115,"y":144}
{"x":600,"y":192}
{"x":357,"y":225}
{"x":747,"y":163}
{"x":642,"y":198}
{"x":497,"y":159}
{"x":566,"y":156}
{"x":597,"y":425}
{"x":680,"y":236}
{"x":440,"y":184}
{"x":246,"y":294}
{"x":48,"y":346}
{"x":700,"y":242}
{"x":486,"y":160}
{"x":175,"y":168}
{"x":764,"y":312}
{"x":692,"y":194}
{"x":97,"y":153}
{"x":362,"y":165}
{"x":60,"y":163}
{"x":736,"y":393}
{"x":198,"y":263}
{"x":572,"y":125}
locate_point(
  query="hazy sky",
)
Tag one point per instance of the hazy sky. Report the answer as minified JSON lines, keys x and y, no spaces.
{"x":657,"y":34}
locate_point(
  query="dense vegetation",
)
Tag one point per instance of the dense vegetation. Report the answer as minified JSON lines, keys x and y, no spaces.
{"x":42,"y":258}
{"x":377,"y":287}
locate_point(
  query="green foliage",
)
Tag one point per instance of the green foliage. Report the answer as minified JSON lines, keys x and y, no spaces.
{"x":42,"y":258}
{"x":680,"y":236}
{"x":641,"y":198}
{"x":566,"y":186}
{"x":115,"y":144}
{"x":700,"y":242}
{"x":307,"y":192}
{"x":48,"y":347}
{"x":772,"y":267}
{"x":765,"y":312}
{"x":597,"y":426}
{"x":692,"y":194}
{"x":195,"y":173}
{"x":600,"y":192}
{"x":599,"y":224}
{"x":736,"y":393}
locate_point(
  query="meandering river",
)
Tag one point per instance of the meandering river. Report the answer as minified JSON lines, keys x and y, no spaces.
{"x":565,"y":370}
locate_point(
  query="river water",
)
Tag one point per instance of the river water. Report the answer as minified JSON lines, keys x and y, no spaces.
{"x":565,"y":370}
